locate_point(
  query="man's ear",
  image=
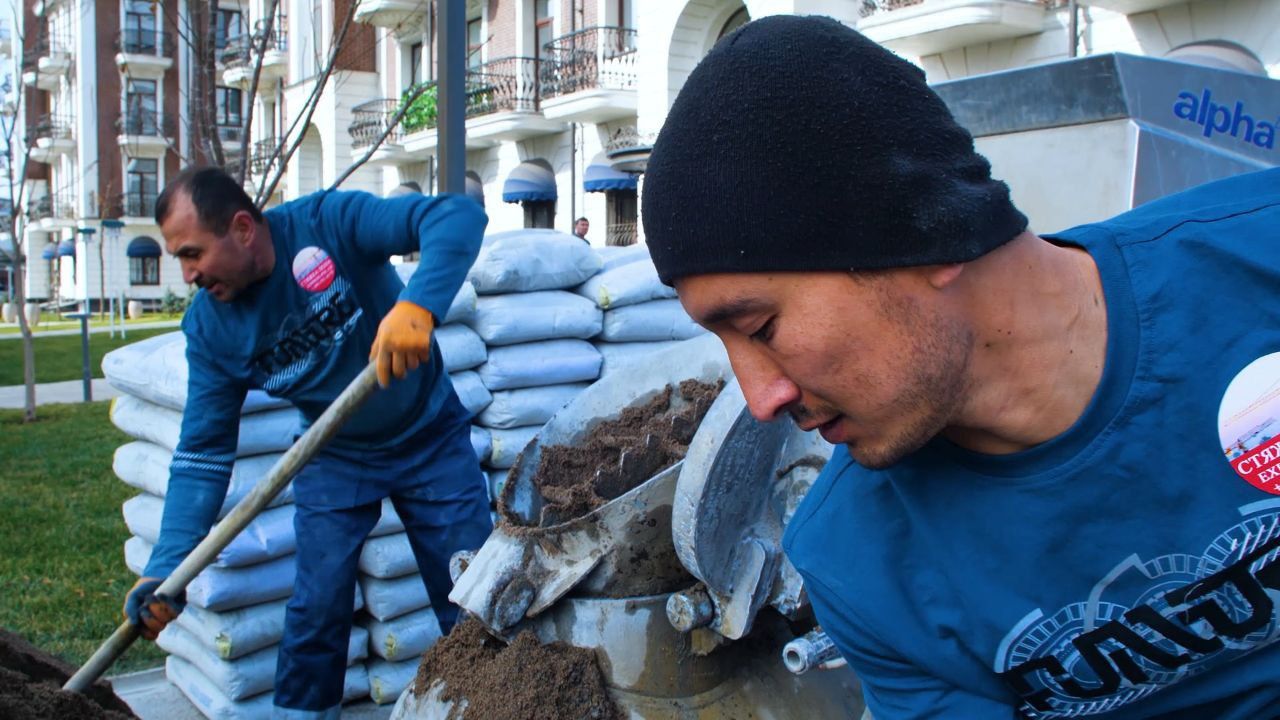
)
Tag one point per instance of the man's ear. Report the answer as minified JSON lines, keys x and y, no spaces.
{"x":243,"y":227}
{"x":940,"y":276}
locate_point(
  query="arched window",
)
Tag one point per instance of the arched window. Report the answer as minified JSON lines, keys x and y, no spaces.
{"x":144,"y":261}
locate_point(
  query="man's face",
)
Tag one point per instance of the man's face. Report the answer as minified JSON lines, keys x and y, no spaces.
{"x":222,"y":265}
{"x":581,"y":227}
{"x":874,"y":363}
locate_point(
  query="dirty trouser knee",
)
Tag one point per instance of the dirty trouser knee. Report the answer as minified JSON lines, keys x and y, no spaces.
{"x":447,"y":512}
{"x":317,"y":629}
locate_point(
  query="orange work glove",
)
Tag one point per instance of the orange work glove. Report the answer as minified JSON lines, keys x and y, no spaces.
{"x":150,"y":612}
{"x":403,"y":341}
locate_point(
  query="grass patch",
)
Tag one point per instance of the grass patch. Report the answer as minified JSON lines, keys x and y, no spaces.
{"x":58,"y":357}
{"x":61,"y":533}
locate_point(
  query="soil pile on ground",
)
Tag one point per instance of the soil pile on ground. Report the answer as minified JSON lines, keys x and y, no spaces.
{"x":620,"y":454}
{"x":525,"y":680}
{"x":31,"y":687}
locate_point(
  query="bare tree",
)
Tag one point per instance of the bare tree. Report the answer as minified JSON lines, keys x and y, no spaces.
{"x":12,"y":115}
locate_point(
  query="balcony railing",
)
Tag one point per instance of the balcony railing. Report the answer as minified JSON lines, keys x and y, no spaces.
{"x":136,"y":41}
{"x":871,"y":7}
{"x":596,"y":57}
{"x":620,"y":233}
{"x":370,"y":120}
{"x":229,"y":136}
{"x":59,"y":206}
{"x":135,"y":203}
{"x":144,"y":122}
{"x":507,"y":84}
{"x":239,"y":50}
{"x":51,"y":127}
{"x":45,"y":45}
{"x":261,"y":154}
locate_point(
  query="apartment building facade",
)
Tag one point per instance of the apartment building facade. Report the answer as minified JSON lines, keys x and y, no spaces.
{"x":563,"y":98}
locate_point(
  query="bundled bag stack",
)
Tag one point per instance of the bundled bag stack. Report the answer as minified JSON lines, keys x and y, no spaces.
{"x":641,"y":315}
{"x":541,"y":317}
{"x":223,"y":646}
{"x":538,"y":334}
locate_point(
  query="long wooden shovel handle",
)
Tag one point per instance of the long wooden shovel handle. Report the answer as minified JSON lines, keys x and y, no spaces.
{"x":245,"y":511}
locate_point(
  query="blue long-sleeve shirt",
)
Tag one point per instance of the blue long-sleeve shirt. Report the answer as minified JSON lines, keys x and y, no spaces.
{"x":1127,"y":568}
{"x":304,"y":332}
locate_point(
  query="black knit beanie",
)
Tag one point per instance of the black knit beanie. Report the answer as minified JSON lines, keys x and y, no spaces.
{"x":799,"y":144}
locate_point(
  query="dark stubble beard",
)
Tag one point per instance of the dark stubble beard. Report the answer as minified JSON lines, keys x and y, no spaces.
{"x":935,"y":387}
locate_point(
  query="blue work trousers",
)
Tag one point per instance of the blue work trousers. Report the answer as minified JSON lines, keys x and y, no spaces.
{"x":438,"y":490}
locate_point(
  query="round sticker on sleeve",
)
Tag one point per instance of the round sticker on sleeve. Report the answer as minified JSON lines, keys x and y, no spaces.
{"x":1249,"y":423}
{"x":313,"y":269}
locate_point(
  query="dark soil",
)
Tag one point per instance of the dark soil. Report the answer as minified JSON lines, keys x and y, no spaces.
{"x":31,"y":687}
{"x":525,"y":680}
{"x":620,"y":454}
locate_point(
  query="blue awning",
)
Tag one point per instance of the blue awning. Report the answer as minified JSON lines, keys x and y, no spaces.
{"x":50,"y":252}
{"x":66,"y":248}
{"x":600,"y":176}
{"x":143,"y":247}
{"x":530,"y":181}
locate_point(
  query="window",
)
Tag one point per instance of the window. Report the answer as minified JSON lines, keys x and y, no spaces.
{"x":544,"y":25}
{"x":228,"y":101}
{"x":475,"y":41}
{"x":140,"y":26}
{"x":144,"y":271}
{"x":141,"y":186}
{"x":625,"y":17}
{"x":539,"y":213}
{"x":227,"y":25}
{"x":228,"y":108}
{"x":415,"y":64}
{"x":140,"y":107}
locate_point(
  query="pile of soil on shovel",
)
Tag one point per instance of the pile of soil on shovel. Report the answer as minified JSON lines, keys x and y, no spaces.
{"x":31,"y":687}
{"x":525,"y":680}
{"x":576,"y":479}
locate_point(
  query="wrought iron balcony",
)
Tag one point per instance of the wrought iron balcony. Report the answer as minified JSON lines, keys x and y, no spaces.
{"x":929,"y":27}
{"x":507,"y":84}
{"x":135,"y":203}
{"x":50,"y":127}
{"x":261,"y":154}
{"x":620,"y":233}
{"x":58,"y":206}
{"x":596,"y":57}
{"x":240,"y":49}
{"x":148,"y":123}
{"x":135,"y":41}
{"x":48,"y":56}
{"x":370,"y":120}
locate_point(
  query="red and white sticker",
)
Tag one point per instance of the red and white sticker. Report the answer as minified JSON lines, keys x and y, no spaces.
{"x":1249,"y":423}
{"x":313,"y":269}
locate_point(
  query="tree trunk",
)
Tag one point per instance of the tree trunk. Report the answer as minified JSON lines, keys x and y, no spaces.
{"x":28,"y":344}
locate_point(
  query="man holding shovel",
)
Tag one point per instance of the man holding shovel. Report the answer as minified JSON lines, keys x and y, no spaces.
{"x":296,"y":301}
{"x":1033,"y":509}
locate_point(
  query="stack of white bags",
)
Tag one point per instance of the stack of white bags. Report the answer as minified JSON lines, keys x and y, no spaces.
{"x":541,"y":317}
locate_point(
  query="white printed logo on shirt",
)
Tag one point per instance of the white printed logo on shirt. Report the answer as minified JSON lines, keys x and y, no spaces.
{"x":1249,"y":423}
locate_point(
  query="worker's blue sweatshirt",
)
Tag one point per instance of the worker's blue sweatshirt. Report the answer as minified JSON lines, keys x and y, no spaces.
{"x":1126,"y":568}
{"x":304,"y":333}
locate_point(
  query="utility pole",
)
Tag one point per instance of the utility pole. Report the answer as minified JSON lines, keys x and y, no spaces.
{"x":452,"y":30}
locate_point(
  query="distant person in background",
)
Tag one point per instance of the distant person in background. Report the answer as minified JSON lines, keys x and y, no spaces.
{"x":580,"y":228}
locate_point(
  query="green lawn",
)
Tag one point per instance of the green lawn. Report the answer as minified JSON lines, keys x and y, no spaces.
{"x":58,"y":357}
{"x":62,"y":572}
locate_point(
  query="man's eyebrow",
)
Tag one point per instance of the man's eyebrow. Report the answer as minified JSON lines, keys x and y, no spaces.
{"x":732,"y":309}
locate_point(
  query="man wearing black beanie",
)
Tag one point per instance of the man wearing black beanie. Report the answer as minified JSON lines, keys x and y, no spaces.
{"x":1055,"y":487}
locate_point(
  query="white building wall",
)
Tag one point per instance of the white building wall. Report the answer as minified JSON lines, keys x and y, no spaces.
{"x":1254,"y":24}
